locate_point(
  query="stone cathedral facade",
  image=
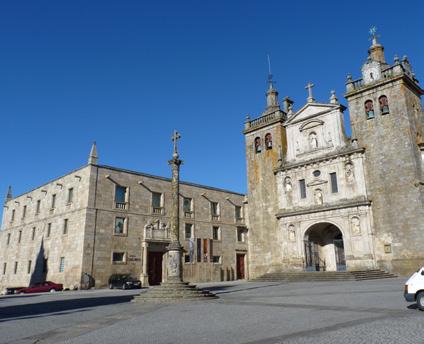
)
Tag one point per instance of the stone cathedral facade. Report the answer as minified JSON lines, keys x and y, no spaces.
{"x":320,"y":200}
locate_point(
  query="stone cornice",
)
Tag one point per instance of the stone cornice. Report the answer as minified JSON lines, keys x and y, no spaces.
{"x":412,"y":84}
{"x":332,"y":155}
{"x":326,"y":207}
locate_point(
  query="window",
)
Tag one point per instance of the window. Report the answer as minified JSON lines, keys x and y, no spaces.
{"x":4,"y":268}
{"x":13,"y":216}
{"x":241,"y":234}
{"x":65,"y":226}
{"x":157,"y":202}
{"x":62,"y":264}
{"x":216,"y":233}
{"x":216,"y":259}
{"x":238,"y":213}
{"x":118,"y":257}
{"x":302,"y":187}
{"x":258,"y":145}
{"x":70,"y":195}
{"x":268,"y":141}
{"x":215,"y":210}
{"x":119,"y":225}
{"x":29,"y":266}
{"x":334,"y":187}
{"x":384,"y":105}
{"x":49,"y":229}
{"x":8,"y":239}
{"x":15,"y":270}
{"x":19,"y":236}
{"x":24,"y":209}
{"x":187,"y":258}
{"x":33,"y":233}
{"x":188,"y":230}
{"x":316,"y":173}
{"x":187,"y":206}
{"x":53,"y":205}
{"x":369,"y":109}
{"x":121,"y":197}
{"x":37,"y":209}
{"x":45,"y":265}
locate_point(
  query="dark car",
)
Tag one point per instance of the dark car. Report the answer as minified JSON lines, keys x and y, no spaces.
{"x":41,"y":288}
{"x":121,"y":281}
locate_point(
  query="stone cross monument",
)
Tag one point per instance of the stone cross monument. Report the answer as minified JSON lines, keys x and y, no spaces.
{"x":175,"y":248}
{"x":174,"y":288}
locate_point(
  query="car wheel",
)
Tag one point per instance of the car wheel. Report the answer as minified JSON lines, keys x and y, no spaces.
{"x":52,"y":290}
{"x":420,"y":300}
{"x":110,"y":286}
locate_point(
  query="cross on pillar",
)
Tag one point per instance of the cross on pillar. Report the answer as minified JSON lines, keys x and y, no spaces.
{"x":309,"y":88}
{"x":175,"y":137}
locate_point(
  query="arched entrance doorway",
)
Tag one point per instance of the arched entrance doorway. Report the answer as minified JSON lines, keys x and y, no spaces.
{"x":324,"y":248}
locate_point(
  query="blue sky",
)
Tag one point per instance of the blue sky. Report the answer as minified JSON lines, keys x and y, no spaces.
{"x":126,"y":73}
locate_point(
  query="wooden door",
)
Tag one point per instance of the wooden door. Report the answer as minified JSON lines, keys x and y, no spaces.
{"x":154,"y":267}
{"x":240,"y":267}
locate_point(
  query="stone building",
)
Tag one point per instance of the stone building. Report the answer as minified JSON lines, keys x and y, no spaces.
{"x":96,"y":221}
{"x":324,"y":201}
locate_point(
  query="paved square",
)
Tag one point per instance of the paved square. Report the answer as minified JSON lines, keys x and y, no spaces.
{"x":246,"y":312}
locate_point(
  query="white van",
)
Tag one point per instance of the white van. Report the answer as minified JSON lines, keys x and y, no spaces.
{"x":414,"y":288}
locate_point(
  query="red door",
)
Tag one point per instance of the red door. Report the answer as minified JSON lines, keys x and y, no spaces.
{"x":154,"y":267}
{"x":240,"y":267}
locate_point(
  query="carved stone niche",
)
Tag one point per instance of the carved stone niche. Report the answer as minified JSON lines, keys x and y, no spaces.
{"x":291,"y":233}
{"x":349,"y":172}
{"x":355,"y":226}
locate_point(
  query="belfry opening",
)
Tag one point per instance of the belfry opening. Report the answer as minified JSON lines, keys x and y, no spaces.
{"x":324,"y":248}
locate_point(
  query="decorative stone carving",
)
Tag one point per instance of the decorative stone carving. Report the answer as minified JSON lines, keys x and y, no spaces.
{"x":291,"y":233}
{"x":313,"y":141}
{"x":318,"y":197}
{"x":349,"y":172}
{"x":288,"y":184}
{"x":355,"y":225}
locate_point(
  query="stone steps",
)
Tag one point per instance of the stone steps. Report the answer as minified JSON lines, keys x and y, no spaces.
{"x":324,"y":276}
{"x":174,"y":292}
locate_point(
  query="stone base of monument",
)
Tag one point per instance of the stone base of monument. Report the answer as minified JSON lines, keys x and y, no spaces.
{"x":174,"y":292}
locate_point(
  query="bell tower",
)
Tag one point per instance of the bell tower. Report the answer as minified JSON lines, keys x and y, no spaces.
{"x":387,"y":120}
{"x":265,"y":146}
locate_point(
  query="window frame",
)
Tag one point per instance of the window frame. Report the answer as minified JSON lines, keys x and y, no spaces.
{"x":70,"y":197}
{"x":191,"y":225}
{"x":124,"y":226}
{"x":62,"y":264}
{"x":302,"y":189}
{"x":124,"y":258}
{"x":158,"y":210}
{"x":49,"y":230}
{"x":334,"y":183}
{"x":218,"y":230}
{"x":65,"y":226}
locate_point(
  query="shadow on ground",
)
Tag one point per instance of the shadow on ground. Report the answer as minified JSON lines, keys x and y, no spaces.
{"x":44,"y":308}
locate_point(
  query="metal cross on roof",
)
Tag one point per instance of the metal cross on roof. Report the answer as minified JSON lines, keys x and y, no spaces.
{"x":373,"y":33}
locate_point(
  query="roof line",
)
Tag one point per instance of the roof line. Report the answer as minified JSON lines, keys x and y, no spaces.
{"x":167,"y":179}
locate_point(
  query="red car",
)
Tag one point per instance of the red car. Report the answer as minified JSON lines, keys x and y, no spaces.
{"x":41,"y":288}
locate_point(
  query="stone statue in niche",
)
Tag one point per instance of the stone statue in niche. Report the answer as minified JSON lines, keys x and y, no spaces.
{"x":292,"y":233}
{"x":329,"y":139}
{"x":355,"y":225}
{"x":318,"y":196}
{"x":297,"y":147}
{"x":349,"y":172}
{"x":288,"y":185}
{"x":313,"y":141}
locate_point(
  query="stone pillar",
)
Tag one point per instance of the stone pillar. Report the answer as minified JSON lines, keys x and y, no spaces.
{"x":175,"y":248}
{"x":144,"y":275}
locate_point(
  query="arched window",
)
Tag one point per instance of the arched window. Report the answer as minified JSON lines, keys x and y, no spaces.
{"x":268,"y":141}
{"x":384,"y":105}
{"x":258,"y":145}
{"x":369,"y":109}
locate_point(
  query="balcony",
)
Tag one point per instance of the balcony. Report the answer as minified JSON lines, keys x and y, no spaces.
{"x":120,"y":205}
{"x":158,"y":210}
{"x":240,"y":220}
{"x":188,"y":214}
{"x":215,"y":217}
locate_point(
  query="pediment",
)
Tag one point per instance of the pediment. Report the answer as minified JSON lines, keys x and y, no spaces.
{"x":311,"y":124}
{"x":311,"y":110}
{"x":317,"y":182}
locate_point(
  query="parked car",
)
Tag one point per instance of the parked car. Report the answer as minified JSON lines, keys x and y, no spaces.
{"x":123,"y":281}
{"x":41,"y":288}
{"x":414,"y":288}
{"x":10,"y":290}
